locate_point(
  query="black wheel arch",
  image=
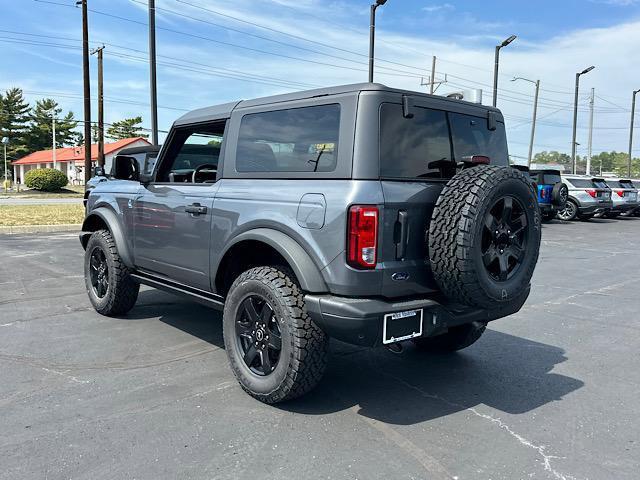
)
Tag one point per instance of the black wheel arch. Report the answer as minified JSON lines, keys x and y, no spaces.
{"x":285,"y":248}
{"x":105,"y":218}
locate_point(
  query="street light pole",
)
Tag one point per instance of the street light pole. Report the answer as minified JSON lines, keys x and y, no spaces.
{"x":575,"y":118}
{"x":633,"y":113}
{"x":99,"y":51}
{"x":535,"y":116}
{"x":53,"y":135}
{"x":372,"y":35}
{"x":497,"y":65}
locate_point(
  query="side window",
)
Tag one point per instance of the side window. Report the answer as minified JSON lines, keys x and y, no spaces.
{"x":294,"y":140}
{"x":193,"y":155}
{"x":417,"y":147}
{"x":472,"y":137}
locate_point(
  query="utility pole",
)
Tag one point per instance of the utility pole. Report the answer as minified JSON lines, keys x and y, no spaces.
{"x":590,"y":145}
{"x":87,"y":91}
{"x":53,"y":137}
{"x":433,"y":75}
{"x":152,"y":72}
{"x":633,"y":114}
{"x":100,"y":106}
{"x":575,"y":119}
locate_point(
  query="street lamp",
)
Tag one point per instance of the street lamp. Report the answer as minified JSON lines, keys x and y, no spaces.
{"x":535,"y":113}
{"x":633,"y":113}
{"x":575,"y":117}
{"x":5,"y":141}
{"x":372,"y":35}
{"x":497,"y":63}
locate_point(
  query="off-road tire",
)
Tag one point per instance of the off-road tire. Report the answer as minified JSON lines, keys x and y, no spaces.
{"x":304,"y":353}
{"x":122,"y":290}
{"x":456,"y":230}
{"x":560,"y":195}
{"x":455,"y":339}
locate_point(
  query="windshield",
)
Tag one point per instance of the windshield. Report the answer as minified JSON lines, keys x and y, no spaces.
{"x":429,"y":144}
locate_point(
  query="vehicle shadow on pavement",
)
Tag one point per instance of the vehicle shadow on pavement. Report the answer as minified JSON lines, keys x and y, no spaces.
{"x":509,"y":373}
{"x":505,"y":372}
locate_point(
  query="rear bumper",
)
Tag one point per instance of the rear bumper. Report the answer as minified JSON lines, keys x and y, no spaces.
{"x":592,"y":209}
{"x":547,"y":207}
{"x":624,"y":207}
{"x":359,"y":321}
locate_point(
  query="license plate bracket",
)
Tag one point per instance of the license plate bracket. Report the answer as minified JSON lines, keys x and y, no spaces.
{"x":401,"y":326}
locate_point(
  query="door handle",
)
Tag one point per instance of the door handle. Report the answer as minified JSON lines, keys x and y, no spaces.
{"x":196,"y":209}
{"x":401,"y":244}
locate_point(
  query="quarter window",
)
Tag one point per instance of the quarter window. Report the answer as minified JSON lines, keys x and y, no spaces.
{"x":294,"y":140}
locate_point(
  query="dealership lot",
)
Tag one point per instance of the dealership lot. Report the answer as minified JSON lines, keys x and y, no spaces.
{"x":549,"y":393}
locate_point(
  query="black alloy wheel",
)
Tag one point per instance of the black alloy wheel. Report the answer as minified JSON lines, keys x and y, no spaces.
{"x":99,"y":272}
{"x":504,"y":238}
{"x":258,"y":335}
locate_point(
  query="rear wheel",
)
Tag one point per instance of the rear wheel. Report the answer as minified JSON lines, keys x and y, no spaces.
{"x":569,"y":212}
{"x":455,"y":339}
{"x":275,"y":351}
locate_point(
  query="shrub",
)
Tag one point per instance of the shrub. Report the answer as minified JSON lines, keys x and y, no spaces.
{"x":45,"y":179}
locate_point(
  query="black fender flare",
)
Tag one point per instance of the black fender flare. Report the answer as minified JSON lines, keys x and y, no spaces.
{"x":303,"y":266}
{"x":114,"y":225}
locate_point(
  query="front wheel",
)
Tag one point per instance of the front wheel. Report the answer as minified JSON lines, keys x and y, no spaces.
{"x":569,"y":212}
{"x":111,"y":289}
{"x":275,"y":351}
{"x":455,"y":339}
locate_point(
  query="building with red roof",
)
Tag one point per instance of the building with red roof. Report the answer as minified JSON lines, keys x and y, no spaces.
{"x":70,"y":160}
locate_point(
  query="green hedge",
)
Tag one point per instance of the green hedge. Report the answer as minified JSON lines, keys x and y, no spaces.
{"x":45,"y":179}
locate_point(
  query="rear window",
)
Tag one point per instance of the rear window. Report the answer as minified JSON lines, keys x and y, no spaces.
{"x":294,"y":140}
{"x":625,"y":184}
{"x":599,"y":183}
{"x":471,"y":136}
{"x":582,"y":182}
{"x":429,"y":144}
{"x":551,"y":178}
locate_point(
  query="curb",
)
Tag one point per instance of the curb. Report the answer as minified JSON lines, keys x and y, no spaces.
{"x":40,"y":228}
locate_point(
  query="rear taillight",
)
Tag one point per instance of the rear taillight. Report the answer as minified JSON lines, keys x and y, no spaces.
{"x":591,"y":192}
{"x":362,"y":236}
{"x":620,"y":193}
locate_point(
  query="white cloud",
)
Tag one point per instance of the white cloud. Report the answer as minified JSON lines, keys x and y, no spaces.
{"x":438,"y":7}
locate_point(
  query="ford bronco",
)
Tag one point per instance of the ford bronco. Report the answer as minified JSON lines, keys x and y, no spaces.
{"x":372,"y":215}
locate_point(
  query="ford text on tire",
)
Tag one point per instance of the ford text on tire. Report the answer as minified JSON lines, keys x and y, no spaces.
{"x":362,"y":213}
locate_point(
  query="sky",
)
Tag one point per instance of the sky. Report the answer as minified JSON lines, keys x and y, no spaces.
{"x":216,"y":51}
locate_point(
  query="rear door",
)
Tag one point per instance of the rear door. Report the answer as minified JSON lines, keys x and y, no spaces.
{"x":172,"y":215}
{"x":418,"y":155}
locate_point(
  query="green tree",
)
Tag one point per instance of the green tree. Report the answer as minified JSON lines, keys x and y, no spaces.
{"x":127,"y":128}
{"x":14,"y":118}
{"x":40,"y":134}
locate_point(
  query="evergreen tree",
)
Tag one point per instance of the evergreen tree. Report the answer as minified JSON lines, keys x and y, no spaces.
{"x":127,"y":128}
{"x":14,"y":118}
{"x":40,"y":134}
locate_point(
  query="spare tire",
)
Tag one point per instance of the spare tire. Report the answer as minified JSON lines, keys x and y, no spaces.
{"x":560,"y":195}
{"x":484,"y":237}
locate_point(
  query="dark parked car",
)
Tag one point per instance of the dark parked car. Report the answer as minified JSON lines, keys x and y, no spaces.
{"x":127,"y":164}
{"x":372,"y":215}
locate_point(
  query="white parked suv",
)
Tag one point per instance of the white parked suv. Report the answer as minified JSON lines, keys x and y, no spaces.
{"x":624,"y":195}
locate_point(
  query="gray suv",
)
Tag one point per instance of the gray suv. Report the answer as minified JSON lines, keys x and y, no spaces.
{"x":371,"y":215}
{"x":588,"y":196}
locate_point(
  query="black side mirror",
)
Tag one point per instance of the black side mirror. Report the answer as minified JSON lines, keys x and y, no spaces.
{"x":98,"y":171}
{"x":145,"y":178}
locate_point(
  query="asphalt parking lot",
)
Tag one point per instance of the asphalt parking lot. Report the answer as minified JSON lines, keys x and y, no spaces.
{"x":549,"y":393}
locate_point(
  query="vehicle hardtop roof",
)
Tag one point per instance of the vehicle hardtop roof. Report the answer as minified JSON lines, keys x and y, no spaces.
{"x":224,"y":110}
{"x":144,"y":149}
{"x":546,"y":170}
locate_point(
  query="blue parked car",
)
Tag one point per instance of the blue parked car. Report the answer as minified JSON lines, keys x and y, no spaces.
{"x":552,"y":192}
